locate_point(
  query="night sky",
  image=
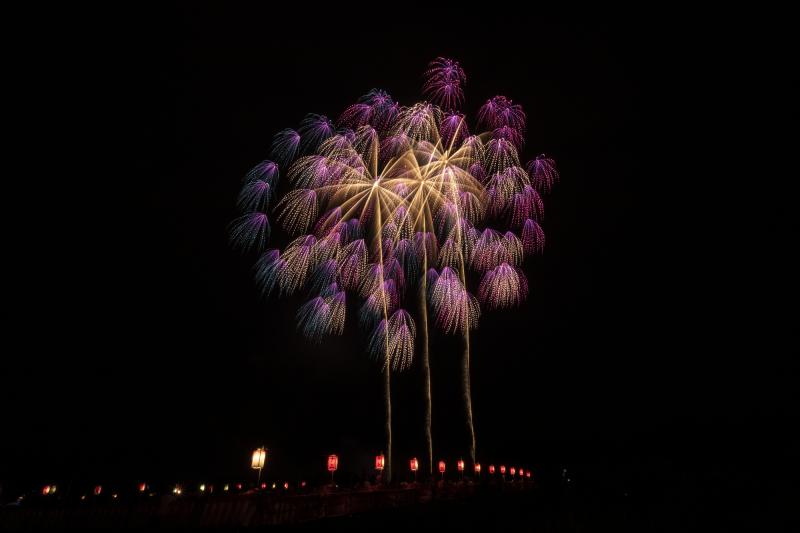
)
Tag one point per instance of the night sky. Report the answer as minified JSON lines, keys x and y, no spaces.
{"x":652,"y":345}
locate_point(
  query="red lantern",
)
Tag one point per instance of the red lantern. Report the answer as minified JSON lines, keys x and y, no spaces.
{"x":286,"y":486}
{"x":379,"y":462}
{"x":263,"y":486}
{"x":477,"y":468}
{"x":521,"y":472}
{"x":97,"y":490}
{"x":460,"y":465}
{"x":491,"y":469}
{"x":333,"y":463}
{"x":142,"y":487}
{"x":441,"y":467}
{"x":503,"y":470}
{"x":513,"y":471}
{"x":46,"y":490}
{"x":238,"y":486}
{"x":528,"y":474}
{"x":414,"y":464}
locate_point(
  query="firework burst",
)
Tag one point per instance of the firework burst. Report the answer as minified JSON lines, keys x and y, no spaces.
{"x":396,"y":203}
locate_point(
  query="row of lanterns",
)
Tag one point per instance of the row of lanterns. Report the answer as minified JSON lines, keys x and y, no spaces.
{"x":380,"y":461}
{"x":260,"y":456}
{"x":177,"y":489}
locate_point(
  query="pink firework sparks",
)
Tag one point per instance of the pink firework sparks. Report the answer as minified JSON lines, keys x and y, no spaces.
{"x":443,"y":83}
{"x":500,"y":111}
{"x":455,"y":308}
{"x":502,"y":287}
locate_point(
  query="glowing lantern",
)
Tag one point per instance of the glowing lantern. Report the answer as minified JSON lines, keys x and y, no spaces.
{"x":98,"y":489}
{"x":528,"y":474}
{"x":142,"y":487}
{"x":521,"y":472}
{"x":503,"y":470}
{"x":264,"y":485}
{"x":286,"y":486}
{"x":333,"y":463}
{"x":460,"y":465}
{"x":238,"y":486}
{"x":477,"y":469}
{"x":414,"y":464}
{"x":177,"y":490}
{"x":226,"y":487}
{"x":257,"y":461}
{"x":202,"y":487}
{"x":441,"y":468}
{"x":46,"y":490}
{"x":259,"y":456}
{"x":513,"y":471}
{"x":379,"y":462}
{"x":491,"y":469}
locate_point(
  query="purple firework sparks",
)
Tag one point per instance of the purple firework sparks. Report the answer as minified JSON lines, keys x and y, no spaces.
{"x":443,"y":83}
{"x":285,"y":145}
{"x":500,"y":111}
{"x":543,"y":172}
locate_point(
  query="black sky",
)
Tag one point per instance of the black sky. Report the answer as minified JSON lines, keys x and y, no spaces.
{"x":141,"y":348}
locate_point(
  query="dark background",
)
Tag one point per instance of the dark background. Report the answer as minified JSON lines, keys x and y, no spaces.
{"x":651,"y":356}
